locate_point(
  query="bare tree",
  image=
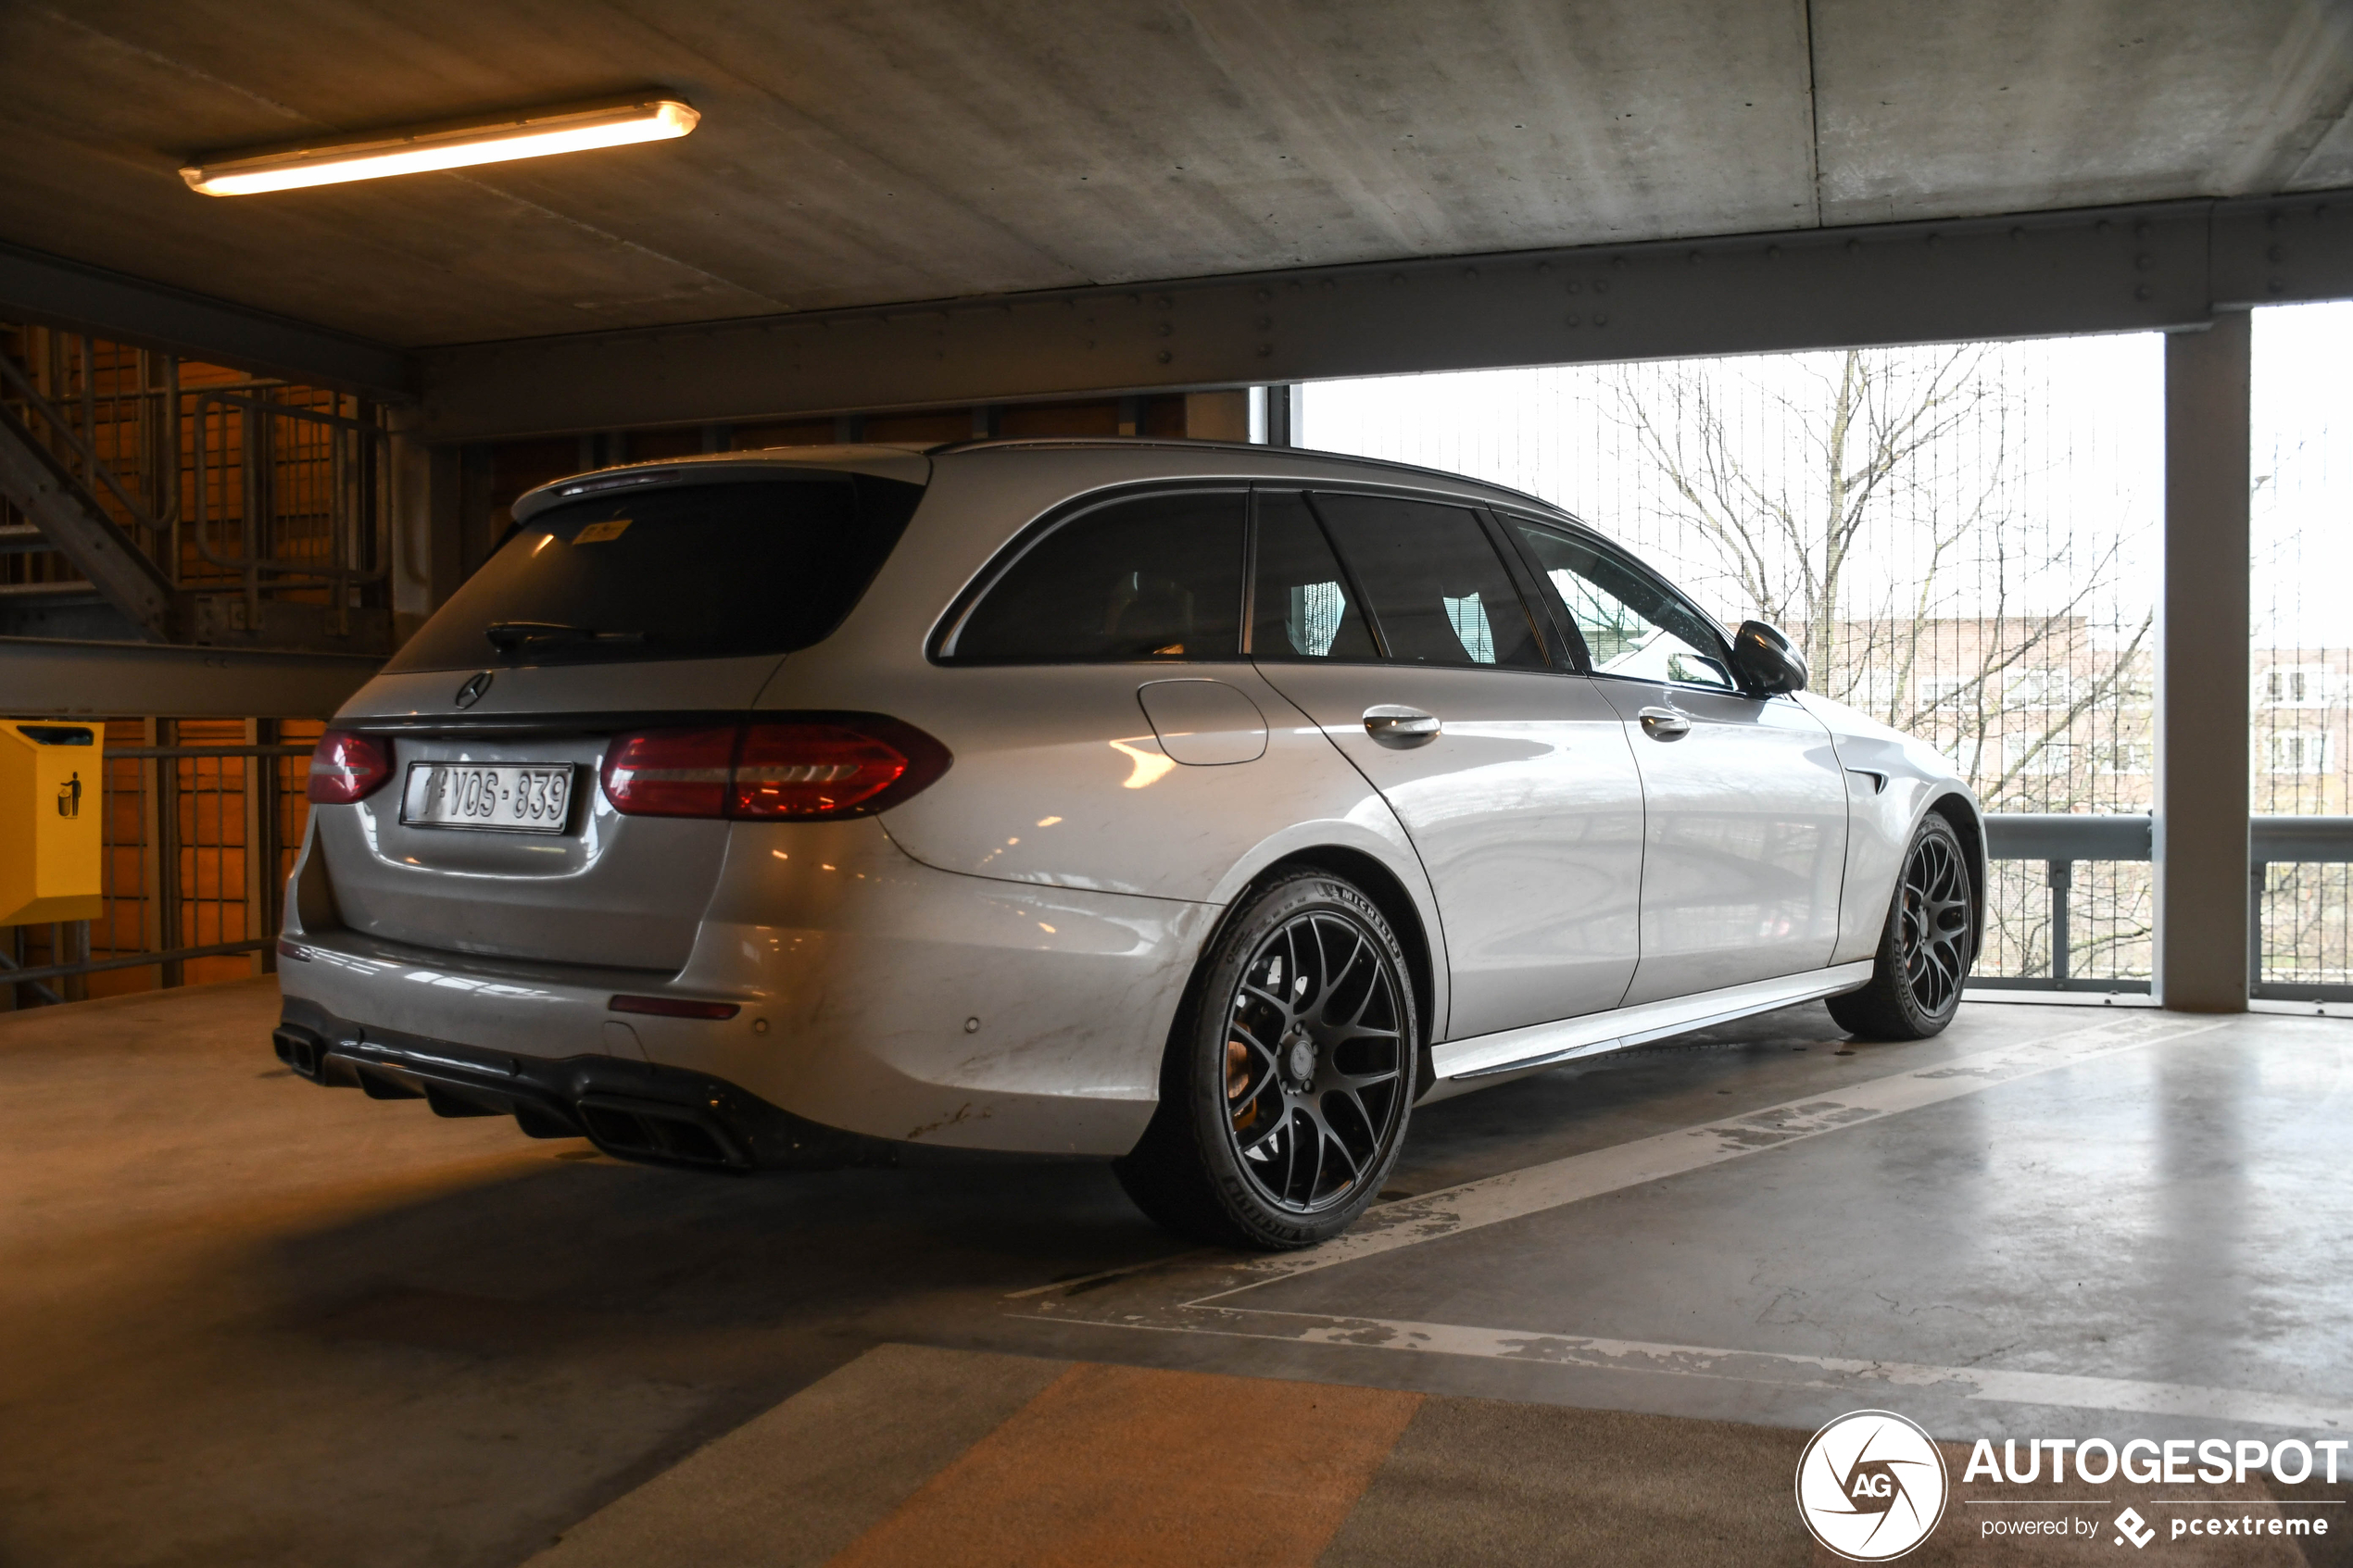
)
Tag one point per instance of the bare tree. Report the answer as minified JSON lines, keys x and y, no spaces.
{"x":1905,"y":454}
{"x":1870,"y":503}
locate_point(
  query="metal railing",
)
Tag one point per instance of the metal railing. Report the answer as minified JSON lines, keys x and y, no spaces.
{"x":308,"y":486}
{"x":2293,"y":842}
{"x":196,"y":843}
{"x":266,"y":507}
{"x":2061,"y":843}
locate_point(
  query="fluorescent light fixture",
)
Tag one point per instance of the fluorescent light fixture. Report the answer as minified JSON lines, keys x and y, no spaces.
{"x":566,"y":128}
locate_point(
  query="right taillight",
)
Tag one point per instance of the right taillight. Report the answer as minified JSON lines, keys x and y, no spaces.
{"x":796,"y":768}
{"x":345,"y":767}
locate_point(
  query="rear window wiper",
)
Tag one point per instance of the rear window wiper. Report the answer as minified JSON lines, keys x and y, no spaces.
{"x":509,"y":637}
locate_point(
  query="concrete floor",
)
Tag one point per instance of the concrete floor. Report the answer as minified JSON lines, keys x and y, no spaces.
{"x":250,"y":1321}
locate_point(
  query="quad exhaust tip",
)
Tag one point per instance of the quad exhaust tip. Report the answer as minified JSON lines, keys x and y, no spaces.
{"x":299,"y":1050}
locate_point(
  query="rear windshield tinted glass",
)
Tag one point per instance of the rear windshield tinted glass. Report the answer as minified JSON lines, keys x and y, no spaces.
{"x":1156,"y":576}
{"x":700,"y":571}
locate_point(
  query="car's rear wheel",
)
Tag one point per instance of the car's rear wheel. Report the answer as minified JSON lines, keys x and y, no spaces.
{"x":1290,"y":1075}
{"x":1925,"y":950}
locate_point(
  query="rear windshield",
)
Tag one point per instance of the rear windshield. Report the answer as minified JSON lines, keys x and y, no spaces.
{"x":707,"y":571}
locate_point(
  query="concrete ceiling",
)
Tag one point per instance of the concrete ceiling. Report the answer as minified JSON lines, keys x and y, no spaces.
{"x":853,"y":154}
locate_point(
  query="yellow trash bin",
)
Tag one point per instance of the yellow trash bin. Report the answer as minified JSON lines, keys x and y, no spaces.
{"x":50,"y":806}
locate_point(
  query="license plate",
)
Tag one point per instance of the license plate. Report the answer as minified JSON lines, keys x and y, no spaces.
{"x":474,"y":794}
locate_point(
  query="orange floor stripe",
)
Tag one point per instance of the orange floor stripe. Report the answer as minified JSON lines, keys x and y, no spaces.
{"x":1127,"y":1465}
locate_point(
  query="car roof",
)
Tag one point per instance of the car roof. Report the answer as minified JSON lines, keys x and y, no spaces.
{"x":1179,"y":459}
{"x":1305,"y":462}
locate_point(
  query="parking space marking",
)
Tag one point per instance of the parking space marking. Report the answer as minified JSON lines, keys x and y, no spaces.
{"x":1193,"y":1293}
{"x":1865,"y":1380}
{"x":1516,"y":1194}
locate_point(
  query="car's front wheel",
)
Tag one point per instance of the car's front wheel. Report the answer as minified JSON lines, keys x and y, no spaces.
{"x":1926,"y":947}
{"x":1290,"y":1075}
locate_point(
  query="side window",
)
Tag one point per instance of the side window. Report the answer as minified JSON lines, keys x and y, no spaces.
{"x":1156,"y":576}
{"x":1439,"y":594}
{"x":1302,"y":603}
{"x":1631,"y":626}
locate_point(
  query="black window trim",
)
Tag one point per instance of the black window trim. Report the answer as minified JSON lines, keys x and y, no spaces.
{"x":939,"y":647}
{"x":1563,"y":645}
{"x":1567,"y":623}
{"x":1357,"y":595}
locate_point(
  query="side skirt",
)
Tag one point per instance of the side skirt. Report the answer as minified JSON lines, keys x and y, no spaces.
{"x":1463,"y":1065}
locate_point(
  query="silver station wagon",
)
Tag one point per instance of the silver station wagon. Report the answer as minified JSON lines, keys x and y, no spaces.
{"x":1202,"y":807}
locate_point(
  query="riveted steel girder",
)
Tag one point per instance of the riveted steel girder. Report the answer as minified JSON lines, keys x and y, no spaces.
{"x":2162,"y":266}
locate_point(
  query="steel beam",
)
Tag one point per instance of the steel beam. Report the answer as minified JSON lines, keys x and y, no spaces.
{"x":57,"y":292}
{"x":41,"y":677}
{"x":2159,"y":266}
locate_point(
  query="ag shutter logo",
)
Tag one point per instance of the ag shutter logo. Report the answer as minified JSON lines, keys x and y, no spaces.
{"x":1871,"y":1486}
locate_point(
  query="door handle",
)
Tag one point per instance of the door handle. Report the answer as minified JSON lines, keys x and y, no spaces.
{"x":1664,"y":723}
{"x":1401,"y":728}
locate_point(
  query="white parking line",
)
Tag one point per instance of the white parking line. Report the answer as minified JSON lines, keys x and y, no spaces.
{"x":1864,"y":1380}
{"x":1434,"y":1216}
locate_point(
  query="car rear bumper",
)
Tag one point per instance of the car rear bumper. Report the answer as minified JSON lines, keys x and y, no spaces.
{"x":631,"y":1109}
{"x":877,"y":997}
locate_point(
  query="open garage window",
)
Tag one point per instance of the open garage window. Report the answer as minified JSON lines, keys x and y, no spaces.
{"x":1961,"y":538}
{"x":2300,"y":521}
{"x":1157,"y":575}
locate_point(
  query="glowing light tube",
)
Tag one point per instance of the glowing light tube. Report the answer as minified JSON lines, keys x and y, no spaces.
{"x":462,"y":144}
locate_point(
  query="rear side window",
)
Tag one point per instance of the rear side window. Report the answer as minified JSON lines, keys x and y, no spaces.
{"x":707,"y":571}
{"x":1301,"y":608}
{"x":1440,"y":593}
{"x":1153,"y":576}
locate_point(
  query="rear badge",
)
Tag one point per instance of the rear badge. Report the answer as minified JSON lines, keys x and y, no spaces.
{"x":470,"y":693}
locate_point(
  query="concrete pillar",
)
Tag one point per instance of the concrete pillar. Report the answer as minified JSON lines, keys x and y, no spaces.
{"x":2203,"y":665}
{"x":414,"y":474}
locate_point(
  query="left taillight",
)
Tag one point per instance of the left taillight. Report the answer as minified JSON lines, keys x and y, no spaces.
{"x":804,"y":768}
{"x":348,"y":767}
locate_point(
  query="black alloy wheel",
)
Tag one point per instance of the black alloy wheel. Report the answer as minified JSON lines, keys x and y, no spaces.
{"x":1316,"y":1064}
{"x":1933,"y":921}
{"x":1290,"y":1075}
{"x":1926,"y":949}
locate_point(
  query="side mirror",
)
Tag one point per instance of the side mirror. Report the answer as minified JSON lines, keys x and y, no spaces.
{"x":1765,"y":662}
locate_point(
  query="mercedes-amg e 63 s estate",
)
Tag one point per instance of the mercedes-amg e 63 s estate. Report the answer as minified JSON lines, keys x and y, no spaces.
{"x":1201,"y":807}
